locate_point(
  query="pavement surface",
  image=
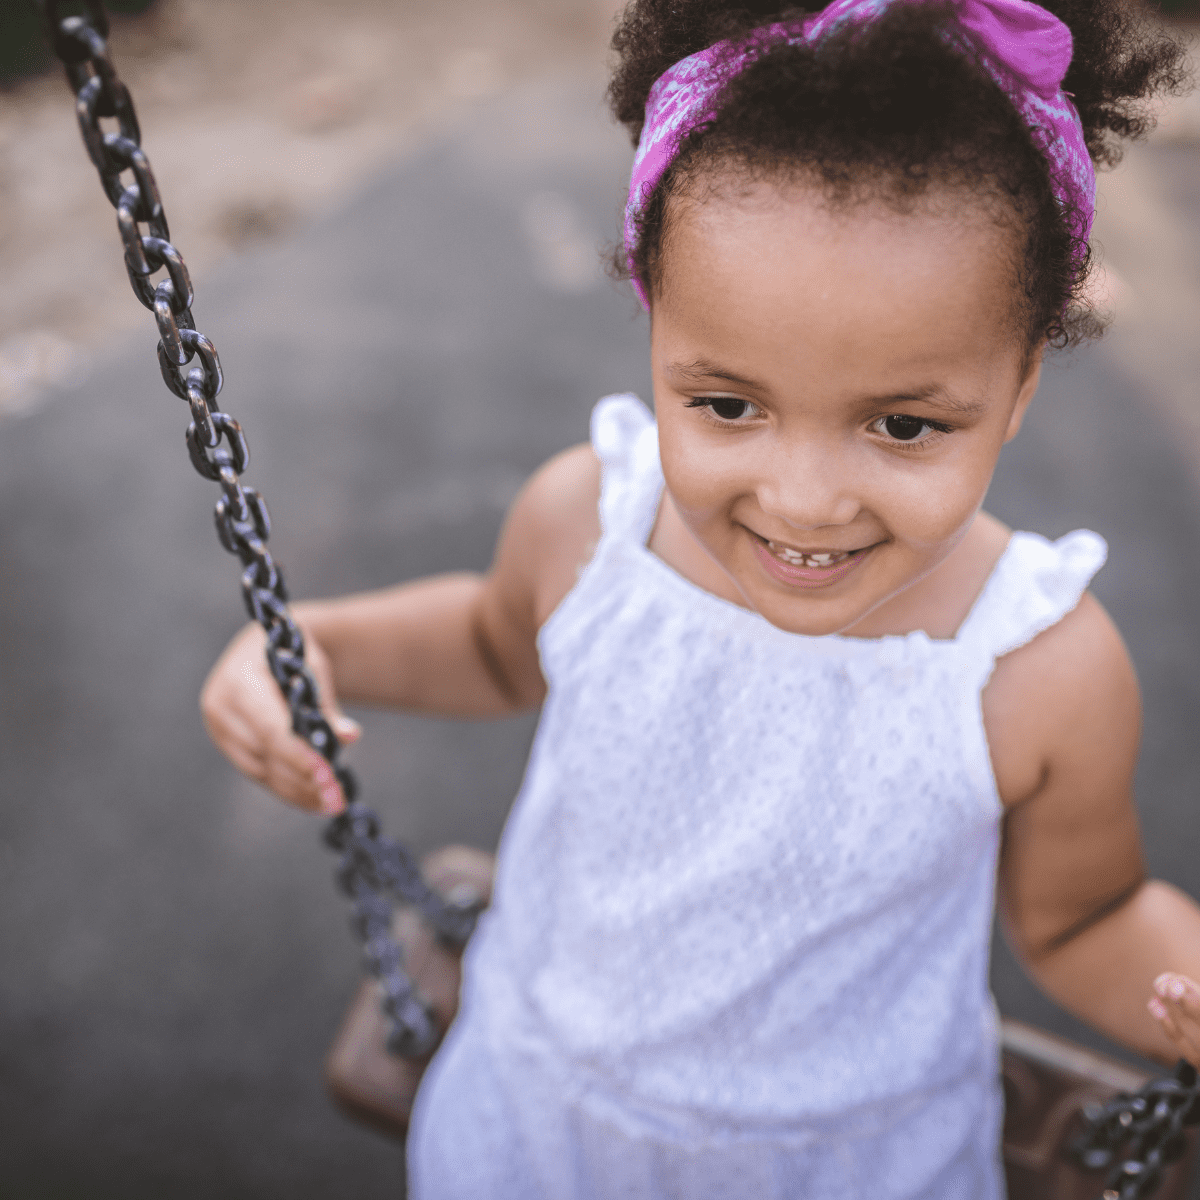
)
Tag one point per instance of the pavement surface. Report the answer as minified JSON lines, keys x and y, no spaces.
{"x":259,"y":118}
{"x":174,"y":957}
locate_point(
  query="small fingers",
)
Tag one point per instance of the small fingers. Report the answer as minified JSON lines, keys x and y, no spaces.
{"x":1183,"y":992}
{"x":329,"y":798}
{"x":1176,"y":1006}
{"x":282,"y":763}
{"x":306,"y":774}
{"x":347,"y":728}
{"x":294,"y":786}
{"x":228,"y":729}
{"x":247,"y":717}
{"x":275,"y":776}
{"x":299,"y":774}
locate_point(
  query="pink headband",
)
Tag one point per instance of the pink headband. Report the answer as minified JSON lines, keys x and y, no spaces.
{"x":1026,"y":49}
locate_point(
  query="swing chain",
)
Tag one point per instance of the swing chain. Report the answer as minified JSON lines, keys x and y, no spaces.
{"x":373,"y":867}
{"x":1135,"y":1137}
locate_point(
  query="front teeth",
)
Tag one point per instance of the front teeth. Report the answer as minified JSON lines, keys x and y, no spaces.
{"x":797,"y":559}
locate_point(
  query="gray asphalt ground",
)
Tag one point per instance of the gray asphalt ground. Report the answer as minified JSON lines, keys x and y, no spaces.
{"x":173,"y":957}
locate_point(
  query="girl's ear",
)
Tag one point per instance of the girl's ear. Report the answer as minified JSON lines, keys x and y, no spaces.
{"x":1029,"y":386}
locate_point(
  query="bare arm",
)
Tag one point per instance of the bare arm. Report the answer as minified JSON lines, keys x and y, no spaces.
{"x":1155,"y":932}
{"x":435,"y":645}
{"x":1092,"y":932}
{"x":452,"y":645}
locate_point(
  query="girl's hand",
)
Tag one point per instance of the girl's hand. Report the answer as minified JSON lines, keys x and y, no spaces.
{"x":1176,"y":1006}
{"x":248,"y":719}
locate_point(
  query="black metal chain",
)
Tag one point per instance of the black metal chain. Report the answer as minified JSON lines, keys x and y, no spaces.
{"x":374,"y":870}
{"x":1136,"y":1137}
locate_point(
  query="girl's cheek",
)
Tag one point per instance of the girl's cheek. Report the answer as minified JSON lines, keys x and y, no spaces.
{"x":701,"y":482}
{"x":936,"y":506}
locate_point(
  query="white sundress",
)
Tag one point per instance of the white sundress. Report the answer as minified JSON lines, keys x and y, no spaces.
{"x":738,"y":948}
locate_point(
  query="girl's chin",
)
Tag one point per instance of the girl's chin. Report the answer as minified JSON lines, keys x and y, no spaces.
{"x":825,"y":623}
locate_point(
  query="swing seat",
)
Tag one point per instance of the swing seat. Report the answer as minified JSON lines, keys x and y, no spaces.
{"x":1047,"y":1079}
{"x":366,"y":1081}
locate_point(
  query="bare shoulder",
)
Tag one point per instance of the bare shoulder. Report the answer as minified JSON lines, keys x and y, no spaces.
{"x":564,"y":489}
{"x":1068,"y":701}
{"x":552,"y":528}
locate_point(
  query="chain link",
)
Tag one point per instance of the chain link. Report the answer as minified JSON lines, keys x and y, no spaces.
{"x":374,"y":871}
{"x":1136,"y":1137}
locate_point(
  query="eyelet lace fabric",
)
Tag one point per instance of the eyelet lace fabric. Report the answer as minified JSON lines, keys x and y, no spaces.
{"x":739,"y":939}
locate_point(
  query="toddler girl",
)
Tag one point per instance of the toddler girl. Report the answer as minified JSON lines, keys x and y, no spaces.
{"x":795,"y":684}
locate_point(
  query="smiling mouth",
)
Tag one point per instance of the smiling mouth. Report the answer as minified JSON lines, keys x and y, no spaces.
{"x":812,"y":559}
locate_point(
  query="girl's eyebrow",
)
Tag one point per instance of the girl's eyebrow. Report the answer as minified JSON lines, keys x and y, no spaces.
{"x":701,"y":368}
{"x":936,"y":394}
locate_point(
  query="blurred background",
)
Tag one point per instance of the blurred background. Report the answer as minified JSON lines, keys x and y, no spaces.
{"x":393,"y":214}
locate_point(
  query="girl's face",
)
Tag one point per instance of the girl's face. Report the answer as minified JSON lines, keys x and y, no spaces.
{"x":832,"y":392}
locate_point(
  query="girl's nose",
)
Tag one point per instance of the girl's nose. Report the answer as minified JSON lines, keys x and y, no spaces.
{"x":808,"y":490}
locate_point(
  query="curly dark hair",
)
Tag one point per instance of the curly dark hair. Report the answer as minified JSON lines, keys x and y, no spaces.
{"x":886,"y":109}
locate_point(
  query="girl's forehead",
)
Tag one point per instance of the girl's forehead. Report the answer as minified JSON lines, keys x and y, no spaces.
{"x":766,"y":266}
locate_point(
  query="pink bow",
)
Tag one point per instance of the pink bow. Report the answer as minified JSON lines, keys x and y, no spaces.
{"x":1026,"y":49}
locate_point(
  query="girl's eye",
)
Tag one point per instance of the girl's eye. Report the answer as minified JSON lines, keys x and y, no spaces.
{"x":726,"y":408}
{"x":903,"y":428}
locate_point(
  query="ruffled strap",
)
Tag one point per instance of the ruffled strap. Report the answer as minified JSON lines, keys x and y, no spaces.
{"x":625,"y":439}
{"x":1034,"y":585}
